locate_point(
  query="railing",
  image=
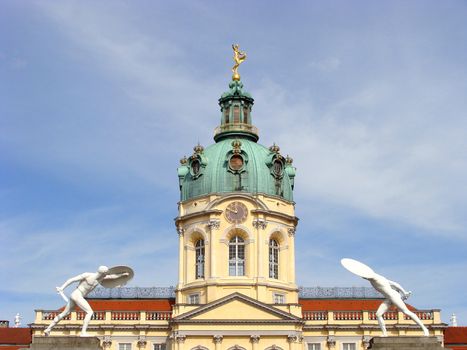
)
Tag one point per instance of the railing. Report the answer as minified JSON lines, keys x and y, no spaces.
{"x":423,"y":315}
{"x":364,"y":316}
{"x":315,"y":315}
{"x":158,"y":315}
{"x":236,"y":127}
{"x":348,"y":315}
{"x":49,"y":315}
{"x":98,"y":315}
{"x":125,"y":315}
{"x":390,"y":315}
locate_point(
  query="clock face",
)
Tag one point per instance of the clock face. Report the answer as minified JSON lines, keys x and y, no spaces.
{"x":236,"y":213}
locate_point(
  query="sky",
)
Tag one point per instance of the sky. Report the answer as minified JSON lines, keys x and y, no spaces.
{"x":100,"y":100}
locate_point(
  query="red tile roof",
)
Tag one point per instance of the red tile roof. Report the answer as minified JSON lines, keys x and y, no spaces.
{"x":455,"y":335}
{"x":13,"y":347}
{"x":341,"y":304}
{"x":15,"y":336}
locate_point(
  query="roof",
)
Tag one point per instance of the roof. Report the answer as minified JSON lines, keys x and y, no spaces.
{"x":15,"y":336}
{"x":341,"y":304}
{"x":455,"y":335}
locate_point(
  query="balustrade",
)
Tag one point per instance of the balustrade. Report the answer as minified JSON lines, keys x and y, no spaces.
{"x":348,"y":315}
{"x":158,"y":315}
{"x":315,"y":315}
{"x":390,"y":315}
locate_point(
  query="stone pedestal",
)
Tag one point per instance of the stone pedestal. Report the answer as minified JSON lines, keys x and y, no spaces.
{"x":65,"y":343}
{"x":405,"y":343}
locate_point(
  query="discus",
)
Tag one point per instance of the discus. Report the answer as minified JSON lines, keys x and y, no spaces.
{"x":120,"y":281}
{"x":358,"y":268}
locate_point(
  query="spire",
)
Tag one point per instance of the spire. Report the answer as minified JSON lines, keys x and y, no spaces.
{"x":236,"y":107}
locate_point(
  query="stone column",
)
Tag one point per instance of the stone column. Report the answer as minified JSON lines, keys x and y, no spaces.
{"x":213,"y":225}
{"x":217,"y":341}
{"x":181,"y":255}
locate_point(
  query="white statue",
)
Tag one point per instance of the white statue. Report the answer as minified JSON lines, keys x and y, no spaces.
{"x":17,"y":320}
{"x":393,"y":292}
{"x":109,"y":278}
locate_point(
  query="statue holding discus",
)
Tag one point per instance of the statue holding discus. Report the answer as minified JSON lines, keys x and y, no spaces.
{"x":392,"y":291}
{"x":109,"y":278}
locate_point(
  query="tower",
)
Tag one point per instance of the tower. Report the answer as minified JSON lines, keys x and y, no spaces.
{"x":236,"y":219}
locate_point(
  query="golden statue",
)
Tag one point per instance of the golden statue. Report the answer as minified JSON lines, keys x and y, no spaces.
{"x":238,"y":57}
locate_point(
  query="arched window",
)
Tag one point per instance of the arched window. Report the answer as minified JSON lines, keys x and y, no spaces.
{"x":199,"y":247}
{"x":237,"y":256}
{"x":273,"y":259}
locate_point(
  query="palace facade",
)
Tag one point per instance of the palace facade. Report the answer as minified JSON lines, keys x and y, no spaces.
{"x":236,"y":285}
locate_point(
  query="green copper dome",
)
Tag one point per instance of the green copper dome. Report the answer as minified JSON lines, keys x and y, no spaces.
{"x":236,"y":163}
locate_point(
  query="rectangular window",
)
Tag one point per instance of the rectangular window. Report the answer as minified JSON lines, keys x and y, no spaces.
{"x":349,"y":346}
{"x":158,"y":347}
{"x":236,"y":114}
{"x":226,"y":115}
{"x":124,"y":346}
{"x":193,"y":299}
{"x":314,"y":346}
{"x":279,"y":298}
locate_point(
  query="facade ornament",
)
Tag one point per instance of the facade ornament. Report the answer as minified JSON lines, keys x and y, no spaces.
{"x":331,"y":340}
{"x":255,"y":338}
{"x":179,"y":338}
{"x":291,"y":231}
{"x":184,"y":161}
{"x":180,"y":231}
{"x":198,"y":149}
{"x":366,"y":341}
{"x":236,"y":145}
{"x":260,"y":223}
{"x":274,"y":148}
{"x":141,"y":341}
{"x":218,"y":338}
{"x":239,"y":57}
{"x":291,"y":338}
{"x":288,"y":159}
{"x":107,"y":342}
{"x":214,"y":224}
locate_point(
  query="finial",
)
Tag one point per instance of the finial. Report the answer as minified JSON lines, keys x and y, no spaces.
{"x":274,"y":148}
{"x":238,"y":57}
{"x":288,"y":159}
{"x":198,"y":149}
{"x":184,"y":160}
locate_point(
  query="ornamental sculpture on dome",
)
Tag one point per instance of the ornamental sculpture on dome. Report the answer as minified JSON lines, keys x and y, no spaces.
{"x":239,"y":57}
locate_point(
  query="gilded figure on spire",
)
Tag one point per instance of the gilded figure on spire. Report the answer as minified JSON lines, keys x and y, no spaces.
{"x":238,"y":57}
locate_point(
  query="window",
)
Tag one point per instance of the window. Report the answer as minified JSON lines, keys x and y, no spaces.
{"x":273,"y":259}
{"x":124,"y":346}
{"x":236,"y":114}
{"x":279,"y":298}
{"x":193,"y":299}
{"x":226,"y":115}
{"x":158,"y":347}
{"x":314,"y":346}
{"x":237,"y":256}
{"x":348,"y":346}
{"x":199,"y":247}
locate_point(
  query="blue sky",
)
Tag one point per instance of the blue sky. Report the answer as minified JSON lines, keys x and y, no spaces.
{"x":100,"y":100}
